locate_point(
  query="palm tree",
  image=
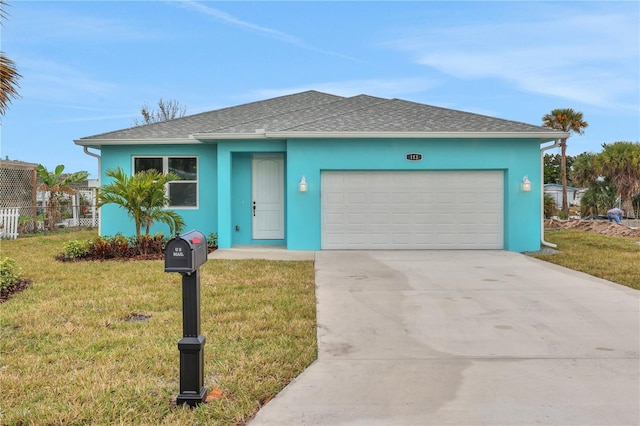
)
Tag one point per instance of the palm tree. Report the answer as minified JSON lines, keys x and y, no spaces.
{"x":9,"y":75}
{"x":620,"y":162}
{"x":570,"y":121}
{"x":57,"y":184}
{"x":143,"y":197}
{"x":584,"y":171}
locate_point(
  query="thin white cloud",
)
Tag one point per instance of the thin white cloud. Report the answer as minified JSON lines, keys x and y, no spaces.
{"x":60,"y":24}
{"x":49,"y":81}
{"x":591,"y":58}
{"x":259,"y":29}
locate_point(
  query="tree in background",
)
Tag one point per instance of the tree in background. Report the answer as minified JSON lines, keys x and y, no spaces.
{"x":552,"y":170}
{"x":143,"y":196}
{"x":584,"y":171}
{"x":167,"y":110}
{"x":57,"y":184}
{"x":9,"y":75}
{"x":620,"y":162}
{"x":601,"y":193}
{"x":566,"y":120}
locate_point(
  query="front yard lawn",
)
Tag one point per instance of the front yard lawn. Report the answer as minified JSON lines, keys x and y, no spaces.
{"x":96,"y":342}
{"x":615,"y":259}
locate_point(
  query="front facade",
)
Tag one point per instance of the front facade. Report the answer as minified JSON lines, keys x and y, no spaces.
{"x":315,"y":171}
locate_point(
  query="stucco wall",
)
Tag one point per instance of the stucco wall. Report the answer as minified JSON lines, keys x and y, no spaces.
{"x":516,"y":158}
{"x":225,"y":181}
{"x":204,"y":218}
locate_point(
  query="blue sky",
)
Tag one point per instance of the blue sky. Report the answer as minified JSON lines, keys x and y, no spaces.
{"x":88,"y":66}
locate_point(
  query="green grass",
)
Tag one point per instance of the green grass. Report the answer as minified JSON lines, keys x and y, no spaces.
{"x":70,"y":354}
{"x":615,"y":259}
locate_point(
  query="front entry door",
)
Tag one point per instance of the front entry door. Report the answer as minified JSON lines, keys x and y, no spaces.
{"x":268,"y":197}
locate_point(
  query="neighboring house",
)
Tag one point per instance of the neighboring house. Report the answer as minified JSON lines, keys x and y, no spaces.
{"x":317,"y":171}
{"x":574,"y":195}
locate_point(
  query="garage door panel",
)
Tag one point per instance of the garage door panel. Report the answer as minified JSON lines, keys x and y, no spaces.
{"x":412,"y":210}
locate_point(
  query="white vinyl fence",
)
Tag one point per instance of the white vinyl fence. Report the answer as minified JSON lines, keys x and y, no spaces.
{"x":9,"y":223}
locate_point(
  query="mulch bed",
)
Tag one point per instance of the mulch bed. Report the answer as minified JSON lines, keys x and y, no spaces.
{"x":6,"y":293}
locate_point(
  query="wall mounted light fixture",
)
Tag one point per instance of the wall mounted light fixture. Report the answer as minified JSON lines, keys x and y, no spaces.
{"x":526,"y":184}
{"x":303,"y":184}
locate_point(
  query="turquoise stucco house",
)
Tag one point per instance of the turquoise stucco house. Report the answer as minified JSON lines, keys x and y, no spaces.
{"x":314,"y":171}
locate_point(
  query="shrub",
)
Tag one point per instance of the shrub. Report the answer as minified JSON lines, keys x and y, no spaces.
{"x":149,"y":244}
{"x":119,"y":245}
{"x":76,"y":249}
{"x":212,"y":240}
{"x":116,"y":247}
{"x":100,"y":248}
{"x":9,"y":273}
{"x":549,"y":205}
{"x":110,"y":247}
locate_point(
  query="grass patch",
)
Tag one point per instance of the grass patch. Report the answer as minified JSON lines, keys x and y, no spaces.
{"x":615,"y":259}
{"x":96,"y":342}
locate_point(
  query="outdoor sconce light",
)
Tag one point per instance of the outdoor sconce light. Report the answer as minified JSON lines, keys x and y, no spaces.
{"x":303,"y":184}
{"x":526,"y":184}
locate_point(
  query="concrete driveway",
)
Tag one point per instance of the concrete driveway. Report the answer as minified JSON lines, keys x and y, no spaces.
{"x":465,"y":338}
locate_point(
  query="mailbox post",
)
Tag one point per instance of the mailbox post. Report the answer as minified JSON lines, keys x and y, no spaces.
{"x":185,"y":254}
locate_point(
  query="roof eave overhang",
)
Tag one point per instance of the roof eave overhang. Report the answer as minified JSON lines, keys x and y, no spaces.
{"x":541,"y":135}
{"x":197,"y":138}
{"x":94,"y":143}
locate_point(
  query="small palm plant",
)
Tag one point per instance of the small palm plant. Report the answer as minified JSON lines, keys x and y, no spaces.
{"x":143,"y":197}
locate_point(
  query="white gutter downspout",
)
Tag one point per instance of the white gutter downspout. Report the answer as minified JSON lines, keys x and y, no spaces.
{"x":556,"y":144}
{"x":93,"y":154}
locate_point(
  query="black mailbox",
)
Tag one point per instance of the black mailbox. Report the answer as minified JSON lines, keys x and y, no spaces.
{"x":186,"y":252}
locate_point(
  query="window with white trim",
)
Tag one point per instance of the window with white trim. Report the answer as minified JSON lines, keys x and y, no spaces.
{"x":183,"y":192}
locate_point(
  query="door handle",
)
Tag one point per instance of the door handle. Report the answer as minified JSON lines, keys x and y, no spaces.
{"x":254,"y":209}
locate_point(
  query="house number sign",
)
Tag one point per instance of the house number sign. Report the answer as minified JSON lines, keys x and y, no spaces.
{"x":414,"y":156}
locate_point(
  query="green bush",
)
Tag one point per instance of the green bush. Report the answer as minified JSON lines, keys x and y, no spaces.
{"x":212,"y":240}
{"x":152,"y":244}
{"x":110,"y":247}
{"x":115,"y":247}
{"x":549,"y":205}
{"x":75,"y":249}
{"x":9,"y":272}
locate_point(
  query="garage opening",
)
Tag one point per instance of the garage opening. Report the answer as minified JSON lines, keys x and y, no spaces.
{"x":412,"y":210}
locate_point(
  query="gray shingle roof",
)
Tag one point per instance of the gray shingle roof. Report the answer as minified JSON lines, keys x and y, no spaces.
{"x":313,"y":111}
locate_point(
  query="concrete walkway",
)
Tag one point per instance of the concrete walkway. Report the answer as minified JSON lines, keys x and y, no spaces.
{"x":262,"y":252}
{"x":465,"y":338}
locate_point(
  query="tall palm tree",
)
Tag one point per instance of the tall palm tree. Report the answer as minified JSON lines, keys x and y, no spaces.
{"x":569,"y":121}
{"x":57,"y":184}
{"x":143,"y":197}
{"x":9,"y":75}
{"x":620,"y":162}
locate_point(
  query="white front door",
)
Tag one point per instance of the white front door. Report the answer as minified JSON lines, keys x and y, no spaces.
{"x":268,"y":197}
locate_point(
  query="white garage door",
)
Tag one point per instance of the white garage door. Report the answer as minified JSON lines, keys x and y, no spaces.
{"x":412,"y":210}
